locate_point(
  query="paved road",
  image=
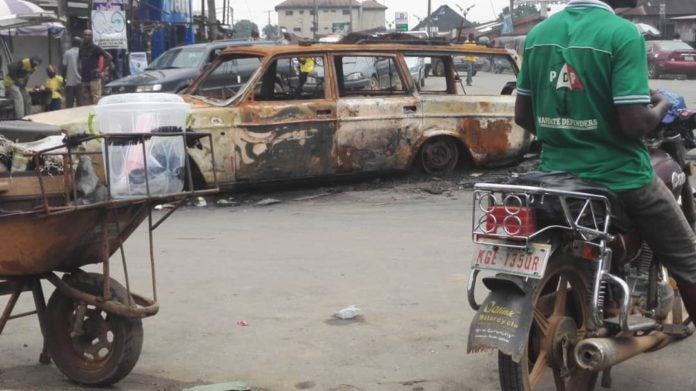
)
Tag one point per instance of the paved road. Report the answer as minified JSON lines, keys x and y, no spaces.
{"x":402,"y":257}
{"x":398,"y":253}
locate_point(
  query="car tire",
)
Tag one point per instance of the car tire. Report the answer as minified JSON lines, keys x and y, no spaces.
{"x":439,"y":156}
{"x":653,"y":71}
{"x":439,"y":69}
{"x":374,"y":83}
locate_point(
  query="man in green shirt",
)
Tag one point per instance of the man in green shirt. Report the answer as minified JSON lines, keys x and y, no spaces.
{"x":583,"y":90}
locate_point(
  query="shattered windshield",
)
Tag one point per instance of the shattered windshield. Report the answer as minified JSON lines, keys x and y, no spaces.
{"x":230,"y":76}
{"x":184,"y":57}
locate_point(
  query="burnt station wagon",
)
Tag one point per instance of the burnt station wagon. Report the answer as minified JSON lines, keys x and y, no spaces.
{"x":358,"y":110}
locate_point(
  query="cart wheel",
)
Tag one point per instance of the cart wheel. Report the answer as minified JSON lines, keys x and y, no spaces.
{"x":109,"y":345}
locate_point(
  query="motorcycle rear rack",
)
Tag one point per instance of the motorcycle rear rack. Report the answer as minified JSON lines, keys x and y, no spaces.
{"x":489,"y":195}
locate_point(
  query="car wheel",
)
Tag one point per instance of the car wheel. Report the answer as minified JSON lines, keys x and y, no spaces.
{"x":653,"y":71}
{"x":440,"y":69}
{"x":439,"y":155}
{"x":374,"y":83}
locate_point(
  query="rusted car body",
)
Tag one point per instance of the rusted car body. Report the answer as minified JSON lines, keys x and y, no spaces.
{"x":270,"y":131}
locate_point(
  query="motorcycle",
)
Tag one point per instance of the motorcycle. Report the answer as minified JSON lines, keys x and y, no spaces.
{"x":574,"y":290}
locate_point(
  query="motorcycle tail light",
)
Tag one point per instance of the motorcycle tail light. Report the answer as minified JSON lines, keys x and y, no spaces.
{"x":510,"y":221}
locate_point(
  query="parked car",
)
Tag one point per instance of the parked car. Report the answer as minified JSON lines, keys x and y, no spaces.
{"x":264,"y":132}
{"x":670,"y":57}
{"x":416,"y":67}
{"x":176,"y":68}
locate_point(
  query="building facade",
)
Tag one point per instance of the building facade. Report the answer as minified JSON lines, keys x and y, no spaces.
{"x":332,"y":16}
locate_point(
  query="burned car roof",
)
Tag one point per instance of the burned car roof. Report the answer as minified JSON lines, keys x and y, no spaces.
{"x":366,"y":47}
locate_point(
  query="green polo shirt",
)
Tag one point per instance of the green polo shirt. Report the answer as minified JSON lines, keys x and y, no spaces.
{"x":578,"y":66}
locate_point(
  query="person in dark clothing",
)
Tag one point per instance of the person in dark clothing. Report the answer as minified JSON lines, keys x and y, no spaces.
{"x":15,"y":82}
{"x":91,"y":68}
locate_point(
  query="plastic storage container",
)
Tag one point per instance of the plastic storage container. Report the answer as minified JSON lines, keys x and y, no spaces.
{"x":143,"y":113}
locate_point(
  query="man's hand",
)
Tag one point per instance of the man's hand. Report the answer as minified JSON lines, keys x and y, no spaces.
{"x":656,"y":99}
{"x":638,"y":120}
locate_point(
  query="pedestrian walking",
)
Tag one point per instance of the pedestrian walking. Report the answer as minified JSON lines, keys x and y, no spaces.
{"x":71,"y":74}
{"x":92,"y":62}
{"x":15,"y":82}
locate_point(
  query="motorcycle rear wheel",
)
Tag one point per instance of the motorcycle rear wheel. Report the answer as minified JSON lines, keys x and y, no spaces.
{"x":561,"y":319}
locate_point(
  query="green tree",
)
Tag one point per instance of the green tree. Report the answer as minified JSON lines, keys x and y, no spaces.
{"x":270,"y":31}
{"x":243,"y":28}
{"x":518,"y":12}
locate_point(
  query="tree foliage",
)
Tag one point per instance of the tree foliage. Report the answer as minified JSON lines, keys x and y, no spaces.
{"x":520,"y":11}
{"x":243,"y":28}
{"x":270,"y":31}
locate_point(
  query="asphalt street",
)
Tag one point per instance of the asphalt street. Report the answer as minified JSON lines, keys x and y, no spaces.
{"x":247,"y":294}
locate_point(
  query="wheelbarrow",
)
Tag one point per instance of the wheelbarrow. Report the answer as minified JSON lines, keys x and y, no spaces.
{"x":91,"y":324}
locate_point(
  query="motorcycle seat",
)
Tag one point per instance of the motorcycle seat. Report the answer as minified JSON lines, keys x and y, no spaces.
{"x":551,"y":212}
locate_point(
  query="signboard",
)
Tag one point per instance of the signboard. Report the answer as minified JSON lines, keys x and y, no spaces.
{"x":663,"y":9}
{"x":401,"y":21}
{"x":109,"y":24}
{"x":137,"y":61}
{"x":508,"y":27}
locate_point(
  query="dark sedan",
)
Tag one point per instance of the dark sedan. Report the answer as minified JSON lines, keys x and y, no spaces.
{"x":670,"y":57}
{"x":174,"y":69}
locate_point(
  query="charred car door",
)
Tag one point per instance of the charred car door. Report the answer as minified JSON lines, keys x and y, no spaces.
{"x":287,"y":127}
{"x":378,"y":121}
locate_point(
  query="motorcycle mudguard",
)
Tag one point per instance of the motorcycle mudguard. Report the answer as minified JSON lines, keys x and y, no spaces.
{"x":504,"y":319}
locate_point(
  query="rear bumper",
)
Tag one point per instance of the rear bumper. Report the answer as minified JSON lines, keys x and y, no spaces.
{"x":679,"y":66}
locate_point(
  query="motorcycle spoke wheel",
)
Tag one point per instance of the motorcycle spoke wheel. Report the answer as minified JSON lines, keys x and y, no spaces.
{"x":559,"y":321}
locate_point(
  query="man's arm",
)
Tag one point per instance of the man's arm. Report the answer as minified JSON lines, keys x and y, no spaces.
{"x":638,"y":120}
{"x":524,"y":115}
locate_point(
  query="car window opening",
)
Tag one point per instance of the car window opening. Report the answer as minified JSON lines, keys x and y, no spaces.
{"x":229,"y":76}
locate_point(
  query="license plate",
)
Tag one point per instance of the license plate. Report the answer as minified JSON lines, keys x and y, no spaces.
{"x":526,"y":262}
{"x":688,"y":58}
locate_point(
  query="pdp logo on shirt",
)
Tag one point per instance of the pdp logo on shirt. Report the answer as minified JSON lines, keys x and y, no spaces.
{"x":566,"y":78}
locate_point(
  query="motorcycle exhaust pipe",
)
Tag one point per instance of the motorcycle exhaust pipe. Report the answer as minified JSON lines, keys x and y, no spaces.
{"x":596,"y":354}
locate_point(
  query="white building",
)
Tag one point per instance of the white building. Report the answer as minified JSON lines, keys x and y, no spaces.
{"x":333,"y":16}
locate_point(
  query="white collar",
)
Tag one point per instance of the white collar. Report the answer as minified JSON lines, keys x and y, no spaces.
{"x":591,"y":3}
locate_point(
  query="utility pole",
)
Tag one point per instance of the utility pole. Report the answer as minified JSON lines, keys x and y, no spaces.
{"x":65,"y":39}
{"x":315,"y":27}
{"x":429,"y":24}
{"x":212,"y":21}
{"x":512,"y":5}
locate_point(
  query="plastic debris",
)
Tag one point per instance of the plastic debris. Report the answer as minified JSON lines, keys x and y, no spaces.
{"x":475,"y":174}
{"x":242,"y":323}
{"x":164,"y":206}
{"x":225,"y":203}
{"x":349,"y":312}
{"x":200,"y":202}
{"x":311,"y":197}
{"x":268,"y":201}
{"x":231,"y":386}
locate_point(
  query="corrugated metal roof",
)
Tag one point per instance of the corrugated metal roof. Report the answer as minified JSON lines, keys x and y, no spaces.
{"x":672,"y":7}
{"x":368,"y":4}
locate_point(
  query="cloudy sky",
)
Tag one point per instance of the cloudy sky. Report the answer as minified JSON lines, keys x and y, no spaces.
{"x":484,"y":10}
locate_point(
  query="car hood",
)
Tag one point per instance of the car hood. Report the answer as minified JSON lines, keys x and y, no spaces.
{"x":160,"y":76}
{"x":72,"y":121}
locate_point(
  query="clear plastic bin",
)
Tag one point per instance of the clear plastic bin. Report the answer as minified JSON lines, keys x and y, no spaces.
{"x":142,"y":113}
